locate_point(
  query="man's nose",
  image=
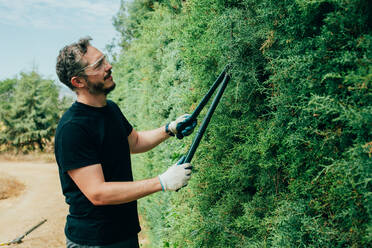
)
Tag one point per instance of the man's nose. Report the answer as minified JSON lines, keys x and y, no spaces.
{"x":108,"y":66}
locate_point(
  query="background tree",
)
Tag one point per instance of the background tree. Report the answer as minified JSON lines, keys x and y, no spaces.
{"x":31,"y":112}
{"x":7,"y":87}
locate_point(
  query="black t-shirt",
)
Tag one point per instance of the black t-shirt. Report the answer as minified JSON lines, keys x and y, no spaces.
{"x":85,"y":136}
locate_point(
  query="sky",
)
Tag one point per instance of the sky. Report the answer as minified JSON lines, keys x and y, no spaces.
{"x":33,"y":31}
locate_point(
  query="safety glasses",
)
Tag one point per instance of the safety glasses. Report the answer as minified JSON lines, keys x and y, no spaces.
{"x":97,"y":65}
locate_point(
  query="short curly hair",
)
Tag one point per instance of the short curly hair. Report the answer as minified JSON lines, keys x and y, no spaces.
{"x":70,"y":63}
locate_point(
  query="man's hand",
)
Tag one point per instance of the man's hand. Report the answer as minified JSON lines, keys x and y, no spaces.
{"x":175,"y":177}
{"x":182,"y":126}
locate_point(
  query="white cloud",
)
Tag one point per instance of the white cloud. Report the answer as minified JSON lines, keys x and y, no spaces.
{"x":57,"y":14}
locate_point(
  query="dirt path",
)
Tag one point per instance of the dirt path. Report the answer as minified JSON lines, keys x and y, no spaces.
{"x":41,"y":199}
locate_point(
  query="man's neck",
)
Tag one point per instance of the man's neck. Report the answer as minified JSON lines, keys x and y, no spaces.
{"x":92,"y":100}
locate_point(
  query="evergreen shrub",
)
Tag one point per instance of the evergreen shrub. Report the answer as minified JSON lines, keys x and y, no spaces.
{"x":286,"y":159}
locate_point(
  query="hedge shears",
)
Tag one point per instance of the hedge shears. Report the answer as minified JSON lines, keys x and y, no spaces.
{"x":222,"y":81}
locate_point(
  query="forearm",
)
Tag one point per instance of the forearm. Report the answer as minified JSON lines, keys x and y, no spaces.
{"x":111,"y":193}
{"x":146,"y":140}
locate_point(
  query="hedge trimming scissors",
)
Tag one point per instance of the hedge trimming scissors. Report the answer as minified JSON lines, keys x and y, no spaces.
{"x":224,"y":78}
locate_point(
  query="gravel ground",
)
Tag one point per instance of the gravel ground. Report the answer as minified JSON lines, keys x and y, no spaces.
{"x":35,"y":195}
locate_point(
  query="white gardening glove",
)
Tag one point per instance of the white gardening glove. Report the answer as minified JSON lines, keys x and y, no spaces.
{"x":175,"y":177}
{"x":181,"y":127}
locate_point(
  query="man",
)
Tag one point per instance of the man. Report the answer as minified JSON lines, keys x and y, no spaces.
{"x":93,"y":143}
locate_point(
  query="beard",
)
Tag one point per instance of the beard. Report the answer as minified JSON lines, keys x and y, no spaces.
{"x":99,"y":88}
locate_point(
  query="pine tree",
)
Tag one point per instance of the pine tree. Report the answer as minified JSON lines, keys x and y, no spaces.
{"x":31,"y":116}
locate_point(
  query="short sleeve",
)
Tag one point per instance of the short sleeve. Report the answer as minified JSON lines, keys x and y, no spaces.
{"x":76,"y":148}
{"x":126,"y":123}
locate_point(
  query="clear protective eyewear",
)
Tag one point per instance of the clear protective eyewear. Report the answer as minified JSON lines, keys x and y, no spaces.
{"x":97,"y":65}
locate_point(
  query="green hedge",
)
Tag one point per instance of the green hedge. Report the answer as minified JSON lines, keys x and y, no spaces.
{"x":286,"y":159}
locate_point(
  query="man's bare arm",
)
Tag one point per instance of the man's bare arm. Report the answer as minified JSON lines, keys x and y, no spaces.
{"x":144,"y":141}
{"x":91,"y":182}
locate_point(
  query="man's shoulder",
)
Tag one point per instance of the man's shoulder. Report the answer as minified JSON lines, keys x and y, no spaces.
{"x":80,"y":131}
{"x":75,"y":119}
{"x":112,"y":104}
{"x":78,"y":113}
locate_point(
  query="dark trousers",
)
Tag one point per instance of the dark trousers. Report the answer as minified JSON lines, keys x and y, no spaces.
{"x":129,"y":243}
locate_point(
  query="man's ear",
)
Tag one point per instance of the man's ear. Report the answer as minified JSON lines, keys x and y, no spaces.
{"x":77,"y":82}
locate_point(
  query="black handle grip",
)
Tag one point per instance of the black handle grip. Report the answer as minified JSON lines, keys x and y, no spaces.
{"x":206,"y":120}
{"x":224,"y":78}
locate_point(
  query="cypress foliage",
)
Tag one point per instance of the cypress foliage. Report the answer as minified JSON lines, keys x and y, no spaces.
{"x":31,"y":113}
{"x":286,"y":159}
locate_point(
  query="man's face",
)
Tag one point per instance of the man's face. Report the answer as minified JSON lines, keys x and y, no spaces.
{"x":98,"y":71}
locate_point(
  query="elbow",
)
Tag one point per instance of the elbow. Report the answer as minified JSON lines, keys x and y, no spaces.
{"x":98,"y":203}
{"x":97,"y":199}
{"x":134,"y":151}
